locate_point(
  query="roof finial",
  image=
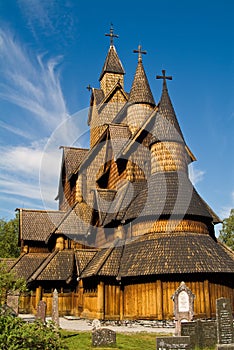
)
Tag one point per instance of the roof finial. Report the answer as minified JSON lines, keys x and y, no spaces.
{"x":164,"y":77}
{"x":112,"y":35}
{"x":140,"y":52}
{"x":89,"y":87}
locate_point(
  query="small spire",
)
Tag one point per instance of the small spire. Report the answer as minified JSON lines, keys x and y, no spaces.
{"x":140,"y":52}
{"x":164,"y":77}
{"x":112,"y":35}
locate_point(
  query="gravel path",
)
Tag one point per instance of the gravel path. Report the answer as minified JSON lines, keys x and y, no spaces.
{"x":76,"y":324}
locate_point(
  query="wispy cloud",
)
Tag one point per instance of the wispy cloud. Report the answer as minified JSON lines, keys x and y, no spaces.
{"x":14,"y":130}
{"x":195,"y":175}
{"x":49,"y":18}
{"x":31,"y":82}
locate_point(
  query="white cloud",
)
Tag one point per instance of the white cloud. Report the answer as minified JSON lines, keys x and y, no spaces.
{"x":14,"y":130}
{"x":195,"y":175}
{"x":31,"y":83}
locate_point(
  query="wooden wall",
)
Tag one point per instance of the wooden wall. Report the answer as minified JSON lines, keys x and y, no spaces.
{"x":148,"y":300}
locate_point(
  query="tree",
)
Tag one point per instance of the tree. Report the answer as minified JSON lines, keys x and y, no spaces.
{"x":9,"y":232}
{"x":9,"y":282}
{"x":227,"y":232}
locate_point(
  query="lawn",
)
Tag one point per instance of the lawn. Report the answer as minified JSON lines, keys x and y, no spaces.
{"x":126,"y":341}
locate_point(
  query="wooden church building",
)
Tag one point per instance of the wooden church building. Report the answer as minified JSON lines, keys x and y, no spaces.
{"x":130,"y":225}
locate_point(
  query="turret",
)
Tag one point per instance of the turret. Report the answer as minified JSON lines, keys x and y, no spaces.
{"x":140,"y":99}
{"x":168,"y":149}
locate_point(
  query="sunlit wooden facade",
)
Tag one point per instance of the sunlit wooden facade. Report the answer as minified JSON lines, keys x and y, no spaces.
{"x":130,"y":226}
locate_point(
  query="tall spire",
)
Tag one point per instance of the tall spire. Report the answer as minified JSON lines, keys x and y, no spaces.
{"x":140,"y":91}
{"x":112,"y":62}
{"x":167,"y":127}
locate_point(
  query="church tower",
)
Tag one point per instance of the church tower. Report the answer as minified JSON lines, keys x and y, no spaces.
{"x":107,"y":101}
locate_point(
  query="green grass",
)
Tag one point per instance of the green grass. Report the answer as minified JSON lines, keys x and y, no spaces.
{"x":125,"y":341}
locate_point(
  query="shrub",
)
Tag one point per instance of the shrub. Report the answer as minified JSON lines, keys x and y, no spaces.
{"x":16,"y":334}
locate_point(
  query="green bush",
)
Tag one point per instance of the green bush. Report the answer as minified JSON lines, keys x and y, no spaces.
{"x":17,"y":334}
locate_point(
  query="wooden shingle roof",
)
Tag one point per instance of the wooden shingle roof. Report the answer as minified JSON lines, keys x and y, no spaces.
{"x":112,"y":63}
{"x":37,"y":225}
{"x":60,"y":267}
{"x":175,"y":254}
{"x":140,"y":90}
{"x":27,"y":264}
{"x":76,"y":222}
{"x":166,"y":127}
{"x":83,"y":258}
{"x":73,"y":157}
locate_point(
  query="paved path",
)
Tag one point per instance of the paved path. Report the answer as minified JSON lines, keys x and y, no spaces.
{"x":73,"y":324}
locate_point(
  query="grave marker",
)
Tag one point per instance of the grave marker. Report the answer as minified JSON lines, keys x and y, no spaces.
{"x":224,"y":321}
{"x":41,"y":311}
{"x":173,"y":343}
{"x":183,"y":306}
{"x":103,"y":337}
{"x":55,"y":308}
{"x":13,"y":301}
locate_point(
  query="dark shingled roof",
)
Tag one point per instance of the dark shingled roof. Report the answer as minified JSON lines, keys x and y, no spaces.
{"x":119,"y":134}
{"x":27,"y":264}
{"x":76,"y":222}
{"x":166,"y":126}
{"x":83,"y":257}
{"x":98,"y":95}
{"x":112,"y":63}
{"x":177,"y":253}
{"x":169,"y":193}
{"x":58,"y":267}
{"x":73,"y":157}
{"x":97,"y":262}
{"x":37,"y":225}
{"x":140,"y":91}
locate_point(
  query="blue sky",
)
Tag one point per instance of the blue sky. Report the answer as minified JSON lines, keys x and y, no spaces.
{"x":51,"y":50}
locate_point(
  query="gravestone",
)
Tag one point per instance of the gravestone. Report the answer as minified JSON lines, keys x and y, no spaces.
{"x":55,"y":308}
{"x":103,"y":337}
{"x":183,"y":306}
{"x":173,"y":343}
{"x":202,"y":334}
{"x":13,"y":301}
{"x":224,"y":322}
{"x":41,"y":311}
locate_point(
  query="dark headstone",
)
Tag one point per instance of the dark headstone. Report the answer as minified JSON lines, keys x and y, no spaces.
{"x":183,"y":306}
{"x":55,"y":308}
{"x":13,"y":301}
{"x":103,"y":337}
{"x":202,"y":333}
{"x":41,"y":311}
{"x":224,"y":321}
{"x":173,"y":343}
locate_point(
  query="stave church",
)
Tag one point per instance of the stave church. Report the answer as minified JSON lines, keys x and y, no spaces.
{"x":130,"y":226}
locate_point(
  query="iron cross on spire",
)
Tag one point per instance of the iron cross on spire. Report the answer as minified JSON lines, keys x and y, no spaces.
{"x":164,"y":77}
{"x":112,"y":35}
{"x":140,"y":52}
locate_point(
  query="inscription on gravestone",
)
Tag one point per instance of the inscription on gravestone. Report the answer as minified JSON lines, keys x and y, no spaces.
{"x":224,"y":321}
{"x":202,"y":334}
{"x":103,"y":337}
{"x":183,"y":306}
{"x":173,"y":343}
{"x":41,"y":311}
